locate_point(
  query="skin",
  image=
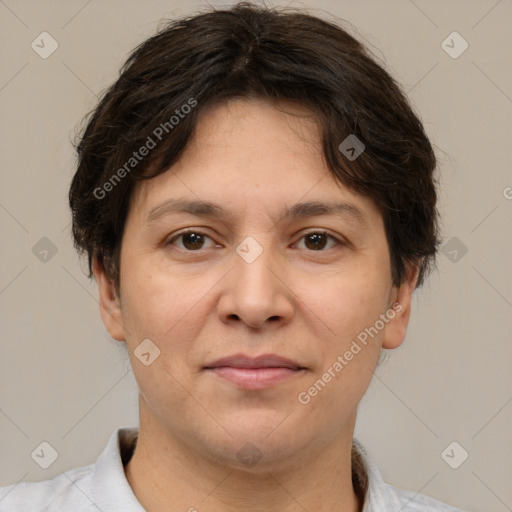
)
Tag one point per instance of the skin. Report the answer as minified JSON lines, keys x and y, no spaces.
{"x":199,"y":304}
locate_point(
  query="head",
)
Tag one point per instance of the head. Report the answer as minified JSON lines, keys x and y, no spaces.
{"x":305,"y":182}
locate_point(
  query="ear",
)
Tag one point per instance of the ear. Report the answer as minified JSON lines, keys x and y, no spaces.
{"x":110,"y":305}
{"x":401,"y":298}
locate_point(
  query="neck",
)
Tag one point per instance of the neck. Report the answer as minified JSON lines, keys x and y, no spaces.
{"x":167,"y":474}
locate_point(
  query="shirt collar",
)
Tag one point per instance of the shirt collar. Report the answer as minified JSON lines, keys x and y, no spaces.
{"x":110,"y":486}
{"x":379,"y":497}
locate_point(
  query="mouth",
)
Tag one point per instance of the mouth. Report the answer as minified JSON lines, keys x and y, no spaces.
{"x":255,"y":372}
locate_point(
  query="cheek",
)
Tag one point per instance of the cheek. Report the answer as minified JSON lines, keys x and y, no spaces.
{"x":348,"y":304}
{"x":157,"y":305}
{"x":160,"y":309}
{"x":348,"y":355}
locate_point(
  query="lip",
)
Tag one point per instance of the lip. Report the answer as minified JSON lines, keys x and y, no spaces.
{"x":255,"y":372}
{"x":262,"y":361}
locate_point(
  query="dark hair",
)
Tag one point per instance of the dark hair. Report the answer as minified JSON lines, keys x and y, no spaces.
{"x":252,"y":51}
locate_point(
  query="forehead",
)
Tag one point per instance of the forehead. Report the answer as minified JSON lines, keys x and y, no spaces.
{"x":256,"y":134}
{"x":222,"y":119}
{"x":249,"y":153}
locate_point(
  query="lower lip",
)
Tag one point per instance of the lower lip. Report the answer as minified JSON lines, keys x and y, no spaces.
{"x":254,"y":378}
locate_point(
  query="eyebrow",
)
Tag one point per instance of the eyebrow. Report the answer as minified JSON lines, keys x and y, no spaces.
{"x":210,"y":210}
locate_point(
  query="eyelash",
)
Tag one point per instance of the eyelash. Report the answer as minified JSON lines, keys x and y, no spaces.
{"x":198,"y":232}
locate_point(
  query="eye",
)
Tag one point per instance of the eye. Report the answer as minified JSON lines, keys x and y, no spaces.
{"x":317,"y":240}
{"x":192,"y":240}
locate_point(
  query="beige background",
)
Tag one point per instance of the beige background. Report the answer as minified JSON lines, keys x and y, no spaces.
{"x":62,"y":380}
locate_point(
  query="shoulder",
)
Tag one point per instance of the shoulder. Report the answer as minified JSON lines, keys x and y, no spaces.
{"x":98,"y":486}
{"x":413,"y":502}
{"x":379,"y":496}
{"x":66,"y":491}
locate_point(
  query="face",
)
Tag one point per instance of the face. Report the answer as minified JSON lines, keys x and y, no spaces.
{"x":219,"y":261}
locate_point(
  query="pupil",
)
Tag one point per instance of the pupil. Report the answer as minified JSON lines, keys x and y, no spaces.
{"x":317,"y":242}
{"x":196,"y":240}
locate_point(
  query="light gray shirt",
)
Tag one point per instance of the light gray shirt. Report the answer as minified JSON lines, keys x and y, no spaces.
{"x":103,"y":487}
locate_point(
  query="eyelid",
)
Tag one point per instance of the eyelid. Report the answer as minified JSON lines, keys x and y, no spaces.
{"x":322,"y":231}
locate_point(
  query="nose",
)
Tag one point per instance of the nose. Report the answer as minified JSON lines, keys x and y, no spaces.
{"x":256,"y":291}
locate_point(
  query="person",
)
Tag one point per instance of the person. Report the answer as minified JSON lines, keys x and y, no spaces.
{"x":257,"y":201}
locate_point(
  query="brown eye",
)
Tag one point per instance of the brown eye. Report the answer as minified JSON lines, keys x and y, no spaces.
{"x":318,"y":240}
{"x":191,"y":240}
{"x":315,"y":241}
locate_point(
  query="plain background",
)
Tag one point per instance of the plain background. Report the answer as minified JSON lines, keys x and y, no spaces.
{"x":64,"y":381}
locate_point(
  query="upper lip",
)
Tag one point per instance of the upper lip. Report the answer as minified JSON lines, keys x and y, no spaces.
{"x":262,"y":361}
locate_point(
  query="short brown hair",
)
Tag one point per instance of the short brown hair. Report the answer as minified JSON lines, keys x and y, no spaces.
{"x":255,"y":51}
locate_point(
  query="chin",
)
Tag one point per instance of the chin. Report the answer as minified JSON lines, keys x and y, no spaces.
{"x":259,"y":444}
